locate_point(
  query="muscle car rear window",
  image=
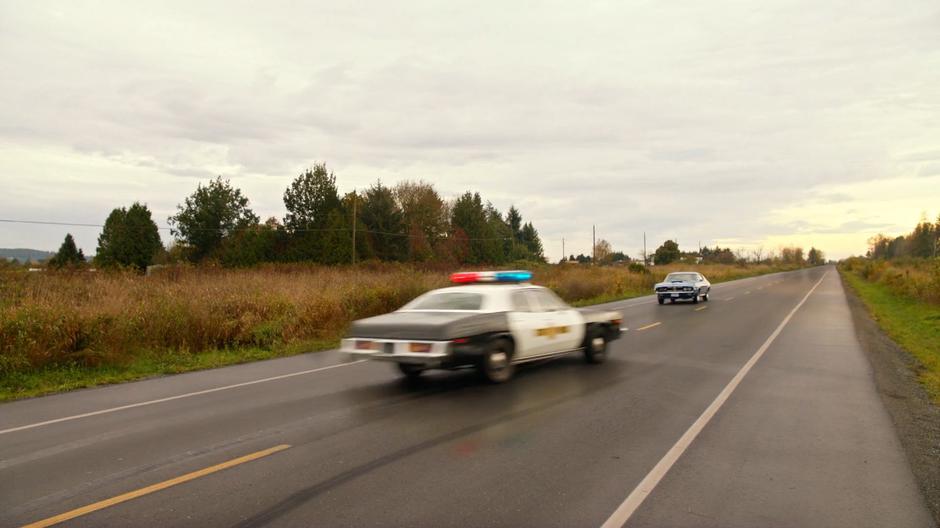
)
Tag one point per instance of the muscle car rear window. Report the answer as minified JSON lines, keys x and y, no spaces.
{"x":449,"y":301}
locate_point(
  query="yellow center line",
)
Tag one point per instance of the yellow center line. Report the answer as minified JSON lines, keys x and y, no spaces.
{"x":84,"y":510}
{"x":657,"y":323}
{"x":701,"y":308}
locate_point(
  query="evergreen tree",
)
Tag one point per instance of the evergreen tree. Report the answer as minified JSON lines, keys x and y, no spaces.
{"x":68,"y":256}
{"x":468,"y":222}
{"x":310,"y":199}
{"x":382,"y":216}
{"x":530,"y":237}
{"x":129,"y":238}
{"x":209,"y":215}
{"x":499,"y":239}
{"x":514,"y":219}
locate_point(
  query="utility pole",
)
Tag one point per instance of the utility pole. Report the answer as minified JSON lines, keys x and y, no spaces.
{"x":593,"y":245}
{"x":354,"y":229}
{"x":563,"y":254}
{"x":646,"y":261}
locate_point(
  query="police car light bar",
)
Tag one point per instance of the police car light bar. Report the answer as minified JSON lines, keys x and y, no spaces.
{"x":473,"y":277}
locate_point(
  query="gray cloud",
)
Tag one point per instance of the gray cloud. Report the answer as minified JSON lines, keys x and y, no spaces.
{"x":609,"y":114}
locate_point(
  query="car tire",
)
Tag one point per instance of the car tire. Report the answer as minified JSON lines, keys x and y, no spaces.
{"x":705,"y":297}
{"x":661,"y":300}
{"x":496,"y":365}
{"x":410,"y":371}
{"x":695,"y":298}
{"x":595,"y":346}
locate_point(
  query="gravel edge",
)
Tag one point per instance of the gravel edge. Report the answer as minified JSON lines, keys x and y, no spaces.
{"x":915,"y":417}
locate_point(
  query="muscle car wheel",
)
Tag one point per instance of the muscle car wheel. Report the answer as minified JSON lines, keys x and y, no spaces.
{"x":695,"y":298}
{"x":497,"y":365}
{"x":595,"y":346}
{"x":661,"y":300}
{"x":410,"y":371}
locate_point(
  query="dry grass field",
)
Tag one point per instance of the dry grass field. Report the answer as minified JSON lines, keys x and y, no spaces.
{"x":66,"y":330}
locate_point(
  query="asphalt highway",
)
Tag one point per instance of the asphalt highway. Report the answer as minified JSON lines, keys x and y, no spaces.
{"x":754,"y":409}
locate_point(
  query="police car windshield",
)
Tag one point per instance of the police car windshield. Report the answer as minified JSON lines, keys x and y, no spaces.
{"x":448,"y":301}
{"x":690,"y":277}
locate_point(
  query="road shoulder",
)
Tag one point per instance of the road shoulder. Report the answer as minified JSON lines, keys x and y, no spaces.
{"x":916,"y":419}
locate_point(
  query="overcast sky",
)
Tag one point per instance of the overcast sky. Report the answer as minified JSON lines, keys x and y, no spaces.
{"x":738,"y":123}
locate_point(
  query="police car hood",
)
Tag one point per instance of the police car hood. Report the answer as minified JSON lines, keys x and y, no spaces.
{"x":429,"y":325}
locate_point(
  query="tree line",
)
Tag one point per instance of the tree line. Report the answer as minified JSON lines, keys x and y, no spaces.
{"x":669,"y":253}
{"x":922,"y":242}
{"x":409,"y":222}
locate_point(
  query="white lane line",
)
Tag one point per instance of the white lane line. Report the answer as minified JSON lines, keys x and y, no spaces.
{"x":646,"y":486}
{"x":647,"y":327}
{"x":730,"y":299}
{"x":699,"y":309}
{"x":177,"y":397}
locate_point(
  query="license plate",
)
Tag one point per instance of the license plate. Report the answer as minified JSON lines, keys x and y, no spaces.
{"x":674,"y":295}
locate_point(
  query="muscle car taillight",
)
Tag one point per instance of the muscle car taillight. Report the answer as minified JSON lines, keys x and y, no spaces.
{"x":419,"y":347}
{"x":365,"y":345}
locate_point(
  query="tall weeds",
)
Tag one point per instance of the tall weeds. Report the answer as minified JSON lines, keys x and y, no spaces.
{"x":91,"y":319}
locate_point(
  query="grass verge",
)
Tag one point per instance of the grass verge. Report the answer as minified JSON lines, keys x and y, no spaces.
{"x":912,"y":324}
{"x":60,"y":378}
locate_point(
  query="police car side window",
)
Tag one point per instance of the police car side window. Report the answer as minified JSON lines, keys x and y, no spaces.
{"x":520,"y":302}
{"x":548,"y":301}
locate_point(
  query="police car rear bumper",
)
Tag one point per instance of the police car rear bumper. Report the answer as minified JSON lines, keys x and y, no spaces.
{"x":445,"y":354}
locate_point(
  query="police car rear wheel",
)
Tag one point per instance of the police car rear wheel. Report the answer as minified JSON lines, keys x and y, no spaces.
{"x":497,"y":364}
{"x":410,"y":371}
{"x":595,"y":346}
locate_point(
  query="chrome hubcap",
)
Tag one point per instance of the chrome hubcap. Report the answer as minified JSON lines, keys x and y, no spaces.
{"x":597,"y":344}
{"x":498,"y":360}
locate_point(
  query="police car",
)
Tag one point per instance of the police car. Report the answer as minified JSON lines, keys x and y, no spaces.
{"x":491,"y":321}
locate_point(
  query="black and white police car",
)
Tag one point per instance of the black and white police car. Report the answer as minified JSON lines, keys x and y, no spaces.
{"x":686,"y":285}
{"x":489,"y":320}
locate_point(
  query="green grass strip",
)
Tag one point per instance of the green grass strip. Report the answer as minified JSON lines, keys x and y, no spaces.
{"x":913,"y":324}
{"x":26,"y":384}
